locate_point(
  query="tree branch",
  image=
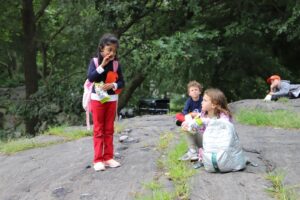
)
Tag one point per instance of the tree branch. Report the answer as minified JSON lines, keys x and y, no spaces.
{"x":40,"y":13}
{"x":134,"y":20}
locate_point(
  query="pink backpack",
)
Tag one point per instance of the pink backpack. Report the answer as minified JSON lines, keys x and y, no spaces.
{"x":86,"y":98}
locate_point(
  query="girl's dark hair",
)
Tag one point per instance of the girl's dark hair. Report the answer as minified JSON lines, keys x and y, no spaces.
{"x":107,"y":39}
{"x":218,"y":98}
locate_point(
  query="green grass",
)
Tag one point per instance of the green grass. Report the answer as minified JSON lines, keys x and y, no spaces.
{"x":278,"y":190}
{"x":157,"y":192}
{"x":283,"y":100}
{"x":119,"y":128}
{"x":22,"y":144}
{"x":278,"y":118}
{"x":68,"y":134}
{"x":178,"y":172}
{"x":164,"y":141}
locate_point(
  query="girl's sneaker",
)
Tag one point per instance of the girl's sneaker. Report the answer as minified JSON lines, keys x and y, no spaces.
{"x":99,"y":166}
{"x":112,"y":163}
{"x":198,"y":164}
{"x":191,"y":155}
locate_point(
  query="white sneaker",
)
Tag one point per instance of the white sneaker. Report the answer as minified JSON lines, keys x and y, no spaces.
{"x":112,"y":163}
{"x":190,"y":155}
{"x":99,"y":166}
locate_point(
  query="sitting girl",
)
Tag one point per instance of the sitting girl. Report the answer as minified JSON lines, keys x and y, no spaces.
{"x":214,"y":105}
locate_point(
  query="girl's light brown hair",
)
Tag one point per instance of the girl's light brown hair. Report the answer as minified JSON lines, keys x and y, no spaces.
{"x":218,"y":98}
{"x":194,"y":84}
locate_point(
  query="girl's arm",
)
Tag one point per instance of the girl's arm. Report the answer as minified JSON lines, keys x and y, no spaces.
{"x":95,"y":74}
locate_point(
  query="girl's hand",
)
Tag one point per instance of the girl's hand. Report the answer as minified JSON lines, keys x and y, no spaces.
{"x":107,"y":86}
{"x":106,"y":60}
{"x":194,"y":114}
{"x":184,"y":126}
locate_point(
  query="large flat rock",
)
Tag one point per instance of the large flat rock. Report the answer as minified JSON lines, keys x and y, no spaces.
{"x":63,"y":171}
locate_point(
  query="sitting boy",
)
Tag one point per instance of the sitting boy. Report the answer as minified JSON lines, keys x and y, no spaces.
{"x":193,"y":103}
{"x":193,"y":107}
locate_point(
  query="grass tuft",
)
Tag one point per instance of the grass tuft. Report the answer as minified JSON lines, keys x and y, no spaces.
{"x":278,"y":190}
{"x":278,"y":118}
{"x":68,"y":134}
{"x":22,"y":144}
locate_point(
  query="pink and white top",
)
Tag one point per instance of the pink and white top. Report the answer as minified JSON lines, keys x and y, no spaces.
{"x":205,"y":120}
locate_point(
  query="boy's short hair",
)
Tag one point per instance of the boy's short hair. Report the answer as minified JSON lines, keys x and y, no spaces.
{"x":194,"y":84}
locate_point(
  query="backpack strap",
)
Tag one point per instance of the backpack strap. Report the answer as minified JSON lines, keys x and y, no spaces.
{"x":95,"y":62}
{"x":214,"y":162}
{"x":115,"y":65}
{"x":89,"y":87}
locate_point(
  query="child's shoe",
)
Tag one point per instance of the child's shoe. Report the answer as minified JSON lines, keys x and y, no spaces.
{"x":99,"y":166}
{"x":198,"y":164}
{"x":112,"y":163}
{"x":190,"y":155}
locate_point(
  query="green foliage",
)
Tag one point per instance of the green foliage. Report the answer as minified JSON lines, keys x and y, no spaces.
{"x":54,"y":103}
{"x":177,"y":102}
{"x":232,"y":45}
{"x":278,"y":118}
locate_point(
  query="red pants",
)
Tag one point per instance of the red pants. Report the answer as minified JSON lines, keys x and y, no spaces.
{"x":103,"y":119}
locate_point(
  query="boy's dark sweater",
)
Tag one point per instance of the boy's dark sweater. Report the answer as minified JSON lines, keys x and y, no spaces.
{"x":192,"y":106}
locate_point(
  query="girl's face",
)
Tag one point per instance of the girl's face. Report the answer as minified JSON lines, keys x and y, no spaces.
{"x":207,"y":105}
{"x":194,"y":93}
{"x":109,"y":50}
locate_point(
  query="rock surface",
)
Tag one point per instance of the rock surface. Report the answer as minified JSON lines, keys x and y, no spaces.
{"x":64,"y":171}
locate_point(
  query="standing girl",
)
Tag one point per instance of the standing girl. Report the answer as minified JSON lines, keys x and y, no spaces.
{"x":105,"y":79}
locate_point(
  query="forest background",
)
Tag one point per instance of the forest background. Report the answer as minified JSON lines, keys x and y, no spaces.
{"x":46,"y":45}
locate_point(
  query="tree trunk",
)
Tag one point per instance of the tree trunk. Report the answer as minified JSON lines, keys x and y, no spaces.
{"x":135,"y":82}
{"x":30,"y":52}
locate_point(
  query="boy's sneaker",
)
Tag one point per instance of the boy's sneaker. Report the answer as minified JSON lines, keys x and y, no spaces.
{"x":99,"y":166}
{"x":112,"y":163}
{"x":190,"y":155}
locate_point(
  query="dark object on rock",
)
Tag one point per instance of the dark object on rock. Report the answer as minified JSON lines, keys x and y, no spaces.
{"x":60,"y":192}
{"x":178,"y":123}
{"x":131,"y":140}
{"x":154,"y":106}
{"x":122,"y":148}
{"x":127,"y":113}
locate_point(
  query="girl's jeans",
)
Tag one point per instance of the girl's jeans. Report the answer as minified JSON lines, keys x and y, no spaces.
{"x":103,"y":119}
